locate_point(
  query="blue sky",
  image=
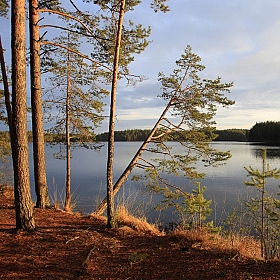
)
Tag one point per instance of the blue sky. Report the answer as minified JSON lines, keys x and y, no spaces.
{"x":236,"y":40}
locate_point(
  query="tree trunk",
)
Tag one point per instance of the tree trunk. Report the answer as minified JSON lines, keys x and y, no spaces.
{"x":263,"y":241}
{"x":110,"y":161}
{"x":40,"y":176}
{"x":23,"y":202}
{"x":6,"y":88}
{"x":7,"y":101}
{"x":67,"y":206}
{"x":103,"y":205}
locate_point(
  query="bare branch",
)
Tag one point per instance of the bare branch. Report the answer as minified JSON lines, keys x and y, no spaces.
{"x":76,"y":52}
{"x":66,"y":29}
{"x":68,"y":16}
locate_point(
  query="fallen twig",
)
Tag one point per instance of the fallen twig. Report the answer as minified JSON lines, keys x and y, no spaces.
{"x":81,"y":271}
{"x":76,"y":237}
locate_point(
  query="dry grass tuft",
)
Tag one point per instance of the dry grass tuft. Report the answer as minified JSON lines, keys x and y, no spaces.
{"x":123,"y":218}
{"x":248,"y":247}
{"x":7,"y":191}
{"x":244,"y":246}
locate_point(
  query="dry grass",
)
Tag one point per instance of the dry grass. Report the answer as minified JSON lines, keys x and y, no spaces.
{"x":123,"y":218}
{"x":244,"y":246}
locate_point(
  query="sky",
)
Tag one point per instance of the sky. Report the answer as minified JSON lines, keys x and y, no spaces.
{"x":236,"y":40}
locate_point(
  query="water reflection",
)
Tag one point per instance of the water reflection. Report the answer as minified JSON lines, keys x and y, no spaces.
{"x":225,"y":184}
{"x":272,"y":153}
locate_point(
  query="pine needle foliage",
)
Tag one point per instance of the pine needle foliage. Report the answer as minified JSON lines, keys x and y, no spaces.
{"x":265,"y":209}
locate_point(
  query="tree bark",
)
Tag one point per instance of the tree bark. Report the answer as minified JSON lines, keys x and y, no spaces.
{"x":110,"y":161}
{"x":40,"y":176}
{"x":23,"y":203}
{"x":67,"y":206}
{"x":6,"y":88}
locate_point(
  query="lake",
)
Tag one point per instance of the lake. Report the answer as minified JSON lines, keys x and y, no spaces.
{"x":225,"y":184}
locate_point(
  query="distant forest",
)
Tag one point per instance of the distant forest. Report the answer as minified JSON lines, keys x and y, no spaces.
{"x":261,"y":132}
{"x":141,"y":135}
{"x":265,"y":132}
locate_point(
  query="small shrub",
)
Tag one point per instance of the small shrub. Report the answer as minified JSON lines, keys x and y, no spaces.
{"x":135,"y":257}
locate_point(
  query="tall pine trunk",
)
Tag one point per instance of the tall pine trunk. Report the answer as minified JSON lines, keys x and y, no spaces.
{"x":110,"y":161}
{"x":67,"y":206}
{"x":23,"y":202}
{"x":40,"y":176}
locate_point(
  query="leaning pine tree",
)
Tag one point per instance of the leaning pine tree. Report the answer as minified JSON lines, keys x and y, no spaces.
{"x":186,"y":119}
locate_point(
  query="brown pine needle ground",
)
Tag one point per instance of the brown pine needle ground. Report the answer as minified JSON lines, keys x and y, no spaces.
{"x":70,"y":246}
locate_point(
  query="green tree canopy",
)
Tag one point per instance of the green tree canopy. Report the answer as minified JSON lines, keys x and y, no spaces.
{"x":4,"y":6}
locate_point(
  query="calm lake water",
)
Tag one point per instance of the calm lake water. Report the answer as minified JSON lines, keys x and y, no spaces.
{"x":225,"y":184}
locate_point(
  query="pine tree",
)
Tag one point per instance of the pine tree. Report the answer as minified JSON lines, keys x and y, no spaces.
{"x":119,"y":43}
{"x":262,"y":205}
{"x":197,"y":206}
{"x":23,"y":203}
{"x":187,"y":119}
{"x":40,"y":175}
{"x":76,"y":97}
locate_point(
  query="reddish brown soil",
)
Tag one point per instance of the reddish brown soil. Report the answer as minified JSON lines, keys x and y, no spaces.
{"x":66,"y":246}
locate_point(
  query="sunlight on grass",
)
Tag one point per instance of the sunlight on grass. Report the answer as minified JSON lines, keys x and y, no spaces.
{"x":7,"y":191}
{"x":123,"y":218}
{"x":244,"y":246}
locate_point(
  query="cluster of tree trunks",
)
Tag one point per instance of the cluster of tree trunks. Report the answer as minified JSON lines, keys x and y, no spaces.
{"x":191,"y":101}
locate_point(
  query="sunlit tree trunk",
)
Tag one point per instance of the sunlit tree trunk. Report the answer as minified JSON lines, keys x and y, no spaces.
{"x":40,"y":176}
{"x":23,"y":202}
{"x":110,"y":161}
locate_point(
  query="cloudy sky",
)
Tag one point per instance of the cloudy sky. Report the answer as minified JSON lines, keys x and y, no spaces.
{"x":236,"y":40}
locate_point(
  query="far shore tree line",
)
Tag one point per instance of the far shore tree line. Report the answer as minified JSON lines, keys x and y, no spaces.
{"x":268,"y":131}
{"x":128,"y":135}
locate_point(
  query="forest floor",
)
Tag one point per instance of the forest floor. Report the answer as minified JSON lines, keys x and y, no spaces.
{"x":72,"y":246}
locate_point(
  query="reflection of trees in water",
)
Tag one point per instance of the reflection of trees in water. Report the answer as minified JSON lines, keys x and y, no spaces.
{"x":272,"y":153}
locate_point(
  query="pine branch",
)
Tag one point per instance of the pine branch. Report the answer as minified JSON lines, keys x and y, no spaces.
{"x":76,"y":52}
